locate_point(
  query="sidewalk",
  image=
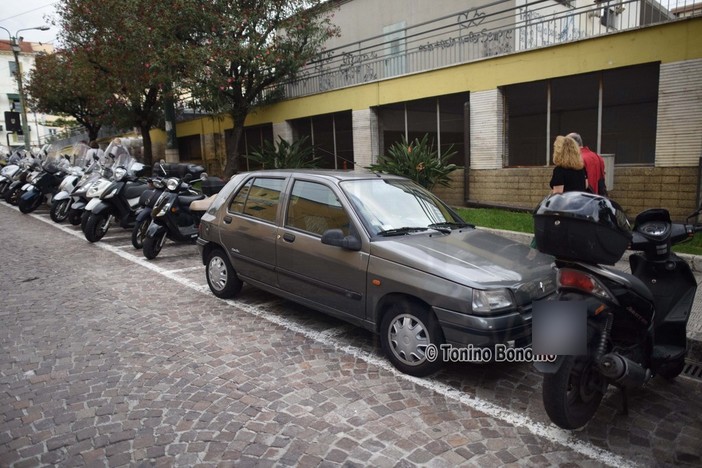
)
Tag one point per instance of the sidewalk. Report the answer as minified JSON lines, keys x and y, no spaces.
{"x":694,"y":326}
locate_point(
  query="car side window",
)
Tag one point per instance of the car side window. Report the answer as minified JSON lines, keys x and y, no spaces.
{"x":314,"y":208}
{"x":259,"y":198}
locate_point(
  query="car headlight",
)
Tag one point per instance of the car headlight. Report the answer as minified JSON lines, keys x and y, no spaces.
{"x":120,"y":172}
{"x":491,"y":300}
{"x":172,"y":184}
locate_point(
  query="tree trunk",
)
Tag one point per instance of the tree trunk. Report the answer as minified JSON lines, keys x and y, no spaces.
{"x":93,"y":131}
{"x":146,"y":139}
{"x":232,"y":166}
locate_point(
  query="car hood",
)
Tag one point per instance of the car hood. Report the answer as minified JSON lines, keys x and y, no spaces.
{"x":474,"y":257}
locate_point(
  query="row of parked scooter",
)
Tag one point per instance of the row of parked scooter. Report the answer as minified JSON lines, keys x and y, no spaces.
{"x":99,"y":189}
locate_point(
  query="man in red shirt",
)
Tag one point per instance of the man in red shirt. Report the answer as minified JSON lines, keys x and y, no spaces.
{"x":594,"y":164}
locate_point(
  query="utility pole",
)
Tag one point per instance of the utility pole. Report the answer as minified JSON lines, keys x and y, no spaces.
{"x":16,"y":49}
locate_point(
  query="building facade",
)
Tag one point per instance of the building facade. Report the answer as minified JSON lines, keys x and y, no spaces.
{"x":497,"y":83}
{"x":40,"y":125}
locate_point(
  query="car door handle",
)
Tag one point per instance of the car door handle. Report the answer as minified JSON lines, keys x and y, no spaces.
{"x":287,"y":237}
{"x":227,"y":219}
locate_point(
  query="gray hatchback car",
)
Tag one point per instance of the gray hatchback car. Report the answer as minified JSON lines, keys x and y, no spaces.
{"x":378,"y":251}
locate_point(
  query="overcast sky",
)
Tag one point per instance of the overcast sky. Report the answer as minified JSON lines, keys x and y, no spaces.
{"x":20,"y":14}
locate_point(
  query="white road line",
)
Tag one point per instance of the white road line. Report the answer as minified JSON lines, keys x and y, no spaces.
{"x":180,"y":270}
{"x":548,"y":432}
{"x":124,"y":246}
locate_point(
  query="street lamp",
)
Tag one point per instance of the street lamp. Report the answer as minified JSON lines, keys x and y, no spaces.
{"x":15,"y":44}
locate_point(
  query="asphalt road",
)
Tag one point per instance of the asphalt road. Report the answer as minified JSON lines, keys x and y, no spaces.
{"x":107,"y":359}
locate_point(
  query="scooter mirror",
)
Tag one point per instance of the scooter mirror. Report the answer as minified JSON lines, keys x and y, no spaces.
{"x":204,"y":176}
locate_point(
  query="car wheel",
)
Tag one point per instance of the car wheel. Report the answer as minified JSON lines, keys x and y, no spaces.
{"x":221,"y":276}
{"x":406,"y":332}
{"x":59,"y":210}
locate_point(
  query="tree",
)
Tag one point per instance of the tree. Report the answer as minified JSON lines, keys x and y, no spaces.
{"x":248,"y":49}
{"x":138,"y":48}
{"x":66,"y":83}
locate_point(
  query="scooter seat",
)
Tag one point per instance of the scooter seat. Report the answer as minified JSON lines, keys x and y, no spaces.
{"x":135,"y":189}
{"x":202,"y":205}
{"x":185,"y":201}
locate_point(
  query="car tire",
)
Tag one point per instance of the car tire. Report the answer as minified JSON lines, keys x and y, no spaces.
{"x":406,"y":332}
{"x":221,"y":275}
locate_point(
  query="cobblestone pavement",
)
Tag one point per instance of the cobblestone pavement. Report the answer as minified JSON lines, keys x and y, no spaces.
{"x":107,"y":359}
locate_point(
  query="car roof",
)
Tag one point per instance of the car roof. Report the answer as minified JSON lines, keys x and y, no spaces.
{"x":336,"y":174}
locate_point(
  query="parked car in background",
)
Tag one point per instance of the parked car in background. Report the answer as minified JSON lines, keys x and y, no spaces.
{"x":378,"y":251}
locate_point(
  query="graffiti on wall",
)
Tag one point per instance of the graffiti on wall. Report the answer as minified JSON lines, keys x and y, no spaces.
{"x":482,"y":42}
{"x":541,"y":31}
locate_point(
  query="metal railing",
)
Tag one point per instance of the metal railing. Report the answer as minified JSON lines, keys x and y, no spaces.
{"x":489,"y":30}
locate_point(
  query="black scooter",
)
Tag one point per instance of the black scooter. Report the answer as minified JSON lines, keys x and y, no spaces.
{"x":143,"y":217}
{"x":157,"y":183}
{"x":635,"y":323}
{"x":44,"y":184}
{"x":119,"y":201}
{"x":173,"y":217}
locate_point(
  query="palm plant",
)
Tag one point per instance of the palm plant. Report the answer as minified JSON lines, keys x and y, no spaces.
{"x":418,"y":161}
{"x":284,"y":155}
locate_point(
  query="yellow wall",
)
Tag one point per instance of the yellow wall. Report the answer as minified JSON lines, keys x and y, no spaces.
{"x":670,"y":42}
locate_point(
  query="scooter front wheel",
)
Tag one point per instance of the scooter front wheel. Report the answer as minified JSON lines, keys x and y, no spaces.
{"x":27,"y":206}
{"x":96,"y":227}
{"x":13,"y":196}
{"x":74,"y":217}
{"x":572,"y":394}
{"x":59,"y":210}
{"x":153,"y":245}
{"x":139,"y":233}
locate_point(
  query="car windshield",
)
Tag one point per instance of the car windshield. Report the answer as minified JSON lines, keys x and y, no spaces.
{"x":395,"y":206}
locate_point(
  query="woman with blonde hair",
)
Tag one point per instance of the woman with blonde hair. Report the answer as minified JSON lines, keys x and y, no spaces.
{"x":569,"y":174}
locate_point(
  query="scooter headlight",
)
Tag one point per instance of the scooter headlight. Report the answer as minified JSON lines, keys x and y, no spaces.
{"x":120,"y":172}
{"x":172,"y":184}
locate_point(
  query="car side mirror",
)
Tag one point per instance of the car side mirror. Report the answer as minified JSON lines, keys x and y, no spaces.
{"x":336,"y":238}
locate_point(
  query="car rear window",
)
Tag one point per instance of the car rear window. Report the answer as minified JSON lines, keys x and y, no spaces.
{"x":259,"y":198}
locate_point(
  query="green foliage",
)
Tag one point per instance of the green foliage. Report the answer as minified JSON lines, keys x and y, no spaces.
{"x":418,"y":161}
{"x":523,"y":222}
{"x":249,"y":49}
{"x":66,"y":83}
{"x":285,"y":155}
{"x":498,"y":219}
